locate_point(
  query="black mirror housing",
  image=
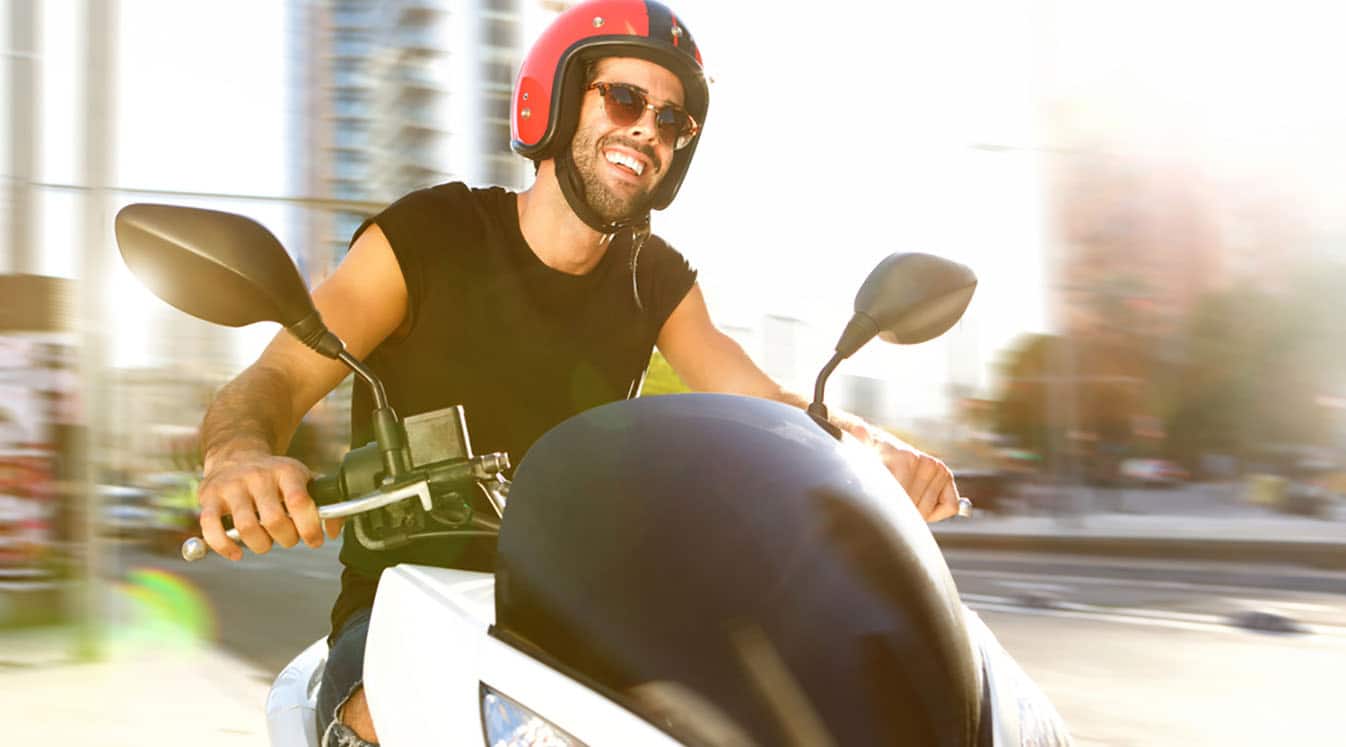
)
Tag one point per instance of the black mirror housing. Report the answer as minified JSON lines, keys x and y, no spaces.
{"x":220,"y":267}
{"x":908,"y":299}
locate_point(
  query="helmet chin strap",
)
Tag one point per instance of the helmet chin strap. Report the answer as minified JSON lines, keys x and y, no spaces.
{"x":567,"y":176}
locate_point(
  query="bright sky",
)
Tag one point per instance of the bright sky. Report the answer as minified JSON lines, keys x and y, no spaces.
{"x":838,"y":133}
{"x":836,"y":139}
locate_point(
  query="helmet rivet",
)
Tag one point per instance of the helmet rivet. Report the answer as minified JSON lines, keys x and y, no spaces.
{"x":525,"y":97}
{"x":598,"y":22}
{"x":677,"y":31}
{"x":526,"y":113}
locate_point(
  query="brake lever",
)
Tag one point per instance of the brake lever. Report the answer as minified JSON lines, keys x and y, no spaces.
{"x":195,"y":548}
{"x":497,"y":492}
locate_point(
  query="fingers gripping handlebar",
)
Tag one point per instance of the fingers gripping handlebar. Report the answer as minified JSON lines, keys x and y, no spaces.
{"x":329,"y":493}
{"x":326,"y":492}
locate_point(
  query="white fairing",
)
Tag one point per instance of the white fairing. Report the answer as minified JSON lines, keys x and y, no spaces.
{"x":429,"y":652}
{"x":290,"y":704}
{"x":1023,"y":716}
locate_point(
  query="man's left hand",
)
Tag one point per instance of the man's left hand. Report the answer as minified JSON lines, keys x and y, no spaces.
{"x":926,"y":479}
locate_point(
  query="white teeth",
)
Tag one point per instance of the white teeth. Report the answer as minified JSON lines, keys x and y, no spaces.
{"x":624,"y":160}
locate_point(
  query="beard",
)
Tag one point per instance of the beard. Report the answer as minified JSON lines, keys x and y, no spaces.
{"x":608,"y":204}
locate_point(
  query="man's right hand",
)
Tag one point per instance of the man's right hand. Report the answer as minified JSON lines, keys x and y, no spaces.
{"x":267,"y":497}
{"x":363,"y":303}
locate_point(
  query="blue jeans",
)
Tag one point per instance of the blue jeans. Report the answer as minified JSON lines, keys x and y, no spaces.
{"x":342,"y":676}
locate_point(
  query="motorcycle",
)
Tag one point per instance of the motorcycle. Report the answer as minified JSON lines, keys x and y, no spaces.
{"x":696,"y":569}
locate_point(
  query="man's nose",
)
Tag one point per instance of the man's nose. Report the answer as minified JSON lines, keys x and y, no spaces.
{"x":645,"y":126}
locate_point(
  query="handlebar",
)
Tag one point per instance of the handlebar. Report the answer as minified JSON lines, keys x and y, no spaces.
{"x":329,"y":493}
{"x":195,"y":548}
{"x":326,"y":490}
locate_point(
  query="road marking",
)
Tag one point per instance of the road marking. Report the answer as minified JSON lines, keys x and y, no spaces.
{"x":1300,"y":606}
{"x":1060,"y":604}
{"x":1133,"y":616}
{"x":973,"y":599}
{"x":1193,"y":617}
{"x":954,"y":557}
{"x":1152,"y":583}
{"x":1035,"y":585}
{"x":1081,"y":615}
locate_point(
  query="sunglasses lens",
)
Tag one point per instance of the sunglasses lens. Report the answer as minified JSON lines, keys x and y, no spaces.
{"x":624,"y":105}
{"x":674,"y":126}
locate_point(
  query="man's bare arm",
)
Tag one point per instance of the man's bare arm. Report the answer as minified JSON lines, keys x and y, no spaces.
{"x":711,"y":361}
{"x":249,"y":414}
{"x":254,"y":416}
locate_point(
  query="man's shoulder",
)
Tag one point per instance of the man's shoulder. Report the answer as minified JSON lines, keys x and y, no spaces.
{"x":452,"y":193}
{"x":450,"y":208}
{"x":656,"y":246}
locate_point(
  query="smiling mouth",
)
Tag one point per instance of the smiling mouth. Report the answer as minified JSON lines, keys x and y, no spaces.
{"x":624,"y":161}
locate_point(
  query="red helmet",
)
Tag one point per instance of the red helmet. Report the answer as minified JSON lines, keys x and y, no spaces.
{"x":547,"y":93}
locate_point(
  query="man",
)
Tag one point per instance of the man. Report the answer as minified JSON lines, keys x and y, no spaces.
{"x":524,"y":308}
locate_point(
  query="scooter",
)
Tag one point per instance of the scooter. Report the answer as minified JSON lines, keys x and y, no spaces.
{"x":692,"y":569}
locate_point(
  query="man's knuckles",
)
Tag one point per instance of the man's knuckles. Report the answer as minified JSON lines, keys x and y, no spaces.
{"x":275,"y":522}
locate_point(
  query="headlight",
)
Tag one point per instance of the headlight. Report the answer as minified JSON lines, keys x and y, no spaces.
{"x":509,"y":724}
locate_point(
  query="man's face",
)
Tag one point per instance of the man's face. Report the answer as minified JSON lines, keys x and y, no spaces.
{"x":605,"y":152}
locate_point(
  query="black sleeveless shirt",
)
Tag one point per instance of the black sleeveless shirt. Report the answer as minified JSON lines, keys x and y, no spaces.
{"x":519,"y":345}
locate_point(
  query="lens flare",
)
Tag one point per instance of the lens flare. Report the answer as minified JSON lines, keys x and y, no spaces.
{"x":168,"y":609}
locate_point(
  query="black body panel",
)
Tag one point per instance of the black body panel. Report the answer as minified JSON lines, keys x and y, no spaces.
{"x":717,"y":542}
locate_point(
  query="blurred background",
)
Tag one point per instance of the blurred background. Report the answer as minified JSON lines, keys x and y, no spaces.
{"x":1146,"y":399}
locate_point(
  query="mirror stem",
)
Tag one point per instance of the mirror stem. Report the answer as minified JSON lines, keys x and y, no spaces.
{"x":387,"y":428}
{"x":817,"y":410}
{"x":375,"y":386}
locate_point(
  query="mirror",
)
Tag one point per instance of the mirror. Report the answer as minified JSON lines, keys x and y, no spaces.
{"x":908,"y":298}
{"x":220,"y":267}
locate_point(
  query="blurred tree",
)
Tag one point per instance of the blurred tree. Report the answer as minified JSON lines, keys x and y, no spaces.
{"x":1021,"y":410}
{"x":1210,"y":404}
{"x":1257,"y":363}
{"x":1077,"y":394}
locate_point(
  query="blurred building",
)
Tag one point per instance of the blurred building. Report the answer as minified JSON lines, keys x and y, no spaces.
{"x":865,"y":396}
{"x":400,"y":95}
{"x":1139,"y":246}
{"x":782,"y":350}
{"x":1142,"y":238}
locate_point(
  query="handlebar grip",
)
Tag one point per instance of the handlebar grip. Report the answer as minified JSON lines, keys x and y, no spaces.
{"x":326,"y":490}
{"x":323,"y":490}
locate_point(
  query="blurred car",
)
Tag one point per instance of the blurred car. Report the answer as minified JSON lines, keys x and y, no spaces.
{"x":125,"y":511}
{"x":1312,"y":490}
{"x":176,"y":513}
{"x":1309,"y":499}
{"x":1151,"y":472}
{"x":988,"y":489}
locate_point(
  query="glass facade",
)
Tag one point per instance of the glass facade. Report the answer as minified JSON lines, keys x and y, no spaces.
{"x":396,"y":104}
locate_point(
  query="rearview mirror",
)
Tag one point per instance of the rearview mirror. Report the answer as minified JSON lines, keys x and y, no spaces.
{"x":908,"y":298}
{"x":228,"y":269}
{"x":220,"y":267}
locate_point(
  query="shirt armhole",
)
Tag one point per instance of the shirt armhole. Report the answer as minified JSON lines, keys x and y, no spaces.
{"x":411,"y":278}
{"x":670,"y":278}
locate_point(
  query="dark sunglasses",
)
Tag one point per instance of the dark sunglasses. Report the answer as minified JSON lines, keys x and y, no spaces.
{"x":625,"y":104}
